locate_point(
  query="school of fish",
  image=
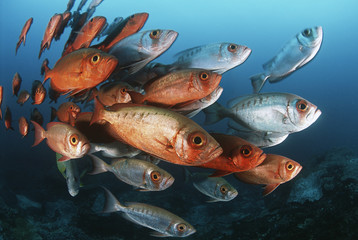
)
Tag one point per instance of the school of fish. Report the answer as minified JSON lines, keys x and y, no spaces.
{"x":141,"y":111}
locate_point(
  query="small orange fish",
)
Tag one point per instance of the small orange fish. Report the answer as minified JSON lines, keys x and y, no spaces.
{"x":24,"y":95}
{"x":50,"y":32}
{"x":43,"y":66}
{"x":86,"y":35}
{"x":127,"y":27}
{"x":37,"y":116}
{"x":16,"y":83}
{"x":67,"y":112}
{"x":24,"y":31}
{"x":113,"y":92}
{"x":274,"y":171}
{"x":63,"y":139}
{"x":38,"y":92}
{"x":238,"y":155}
{"x":8,"y":119}
{"x":79,"y":70}
{"x":66,"y":16}
{"x":1,"y":96}
{"x":53,"y":95}
{"x":23,"y":126}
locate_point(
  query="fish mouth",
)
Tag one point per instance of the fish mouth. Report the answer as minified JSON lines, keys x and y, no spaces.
{"x":216,"y":152}
{"x":168,"y":182}
{"x":85,"y":148}
{"x":260,"y":159}
{"x":313,"y":115}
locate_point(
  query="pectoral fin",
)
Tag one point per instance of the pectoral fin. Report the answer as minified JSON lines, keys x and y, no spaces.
{"x":269,"y":188}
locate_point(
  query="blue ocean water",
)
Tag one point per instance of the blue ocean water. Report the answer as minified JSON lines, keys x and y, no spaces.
{"x":329,"y":80}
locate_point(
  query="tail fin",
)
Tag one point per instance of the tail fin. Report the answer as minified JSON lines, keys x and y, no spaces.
{"x":39,"y":133}
{"x":99,"y":166}
{"x":18,"y":45}
{"x":98,"y":111}
{"x":258,"y":81}
{"x":215,"y":113}
{"x":111,"y":204}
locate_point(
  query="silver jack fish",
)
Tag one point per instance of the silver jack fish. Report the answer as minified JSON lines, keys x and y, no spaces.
{"x":114,"y":149}
{"x":163,"y":222}
{"x":296,"y":53}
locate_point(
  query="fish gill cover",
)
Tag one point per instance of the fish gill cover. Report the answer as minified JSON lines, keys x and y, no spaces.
{"x":300,"y":56}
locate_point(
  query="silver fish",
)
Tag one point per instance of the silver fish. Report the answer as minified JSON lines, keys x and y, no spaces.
{"x":136,"y":50}
{"x":217,"y":57}
{"x":296,"y":53}
{"x":135,"y":172}
{"x":70,"y":172}
{"x":217,"y":188}
{"x":80,"y":6}
{"x":267,"y":112}
{"x":108,"y":29}
{"x":163,"y":222}
{"x":115,"y":149}
{"x":94,"y":4}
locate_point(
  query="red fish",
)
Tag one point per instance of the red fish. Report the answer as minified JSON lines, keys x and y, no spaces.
{"x":113,"y":92}
{"x":37,"y":116}
{"x":24,"y":31}
{"x":23,"y":126}
{"x":80,"y":70}
{"x":16,"y":84}
{"x":274,"y":171}
{"x":66,"y":16}
{"x":8,"y":119}
{"x":63,"y":139}
{"x":50,"y":32}
{"x":1,"y":96}
{"x":238,"y":155}
{"x":44,"y":66}
{"x":86,"y":35}
{"x":127,"y":27}
{"x":38,"y":92}
{"x":24,"y":95}
{"x":67,"y":112}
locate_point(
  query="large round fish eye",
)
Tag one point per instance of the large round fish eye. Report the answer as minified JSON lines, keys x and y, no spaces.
{"x":181,"y":227}
{"x":232,"y":47}
{"x":246,"y":150}
{"x":123,"y":90}
{"x":289,"y":166}
{"x":197,"y":139}
{"x":204,"y":76}
{"x":223,"y":189}
{"x":155,"y":176}
{"x":301,"y":106}
{"x":154,"y":34}
{"x":95,"y":58}
{"x":74,"y":139}
{"x":307,"y":32}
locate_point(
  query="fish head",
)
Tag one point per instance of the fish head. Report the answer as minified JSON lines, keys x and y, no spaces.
{"x":76,"y":144}
{"x":234,"y":54}
{"x":180,"y":228}
{"x":157,"y":179}
{"x":302,"y":113}
{"x":155,"y":42}
{"x":122,"y":95}
{"x":195,"y":146}
{"x":137,"y":20}
{"x":247,"y":156}
{"x":225,"y":191}
{"x":311,"y":37}
{"x":204,"y":80}
{"x":288,"y":169}
{"x":94,"y":25}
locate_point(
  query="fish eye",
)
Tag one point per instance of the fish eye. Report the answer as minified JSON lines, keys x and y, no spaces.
{"x":204,"y":76}
{"x":91,"y":20}
{"x":155,"y":176}
{"x":246,"y":150}
{"x":181,"y":227}
{"x":197,"y":139}
{"x":301,"y":106}
{"x":154,"y":34}
{"x":307,"y":32}
{"x":95,"y":59}
{"x":289,"y":166}
{"x":223,"y":189}
{"x":232,"y":47}
{"x":123,"y":90}
{"x":74,"y":139}
{"x":71,"y":107}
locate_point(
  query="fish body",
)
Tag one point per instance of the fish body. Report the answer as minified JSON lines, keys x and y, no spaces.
{"x":163,"y":222}
{"x":36,"y":116}
{"x":217,"y":57}
{"x":38,"y":92}
{"x":50,"y":32}
{"x":159,"y":132}
{"x":53,"y":95}
{"x":70,"y":172}
{"x":67,"y":112}
{"x":24,"y":31}
{"x":44,"y":65}
{"x":70,"y":5}
{"x":80,"y":70}
{"x":138,"y":173}
{"x":114,"y":92}
{"x":238,"y":155}
{"x":179,"y":88}
{"x":23,"y":126}
{"x":274,"y":171}
{"x":267,"y":112}
{"x":63,"y":139}
{"x":86,"y":35}
{"x":77,"y":23}
{"x":8,"y":119}
{"x":109,"y":29}
{"x":24,"y":95}
{"x":80,"y":6}
{"x":296,"y":53}
{"x":94,"y":4}
{"x":138,"y":49}
{"x":16,"y":83}
{"x":115,"y":149}
{"x":66,"y":16}
{"x":1,"y":97}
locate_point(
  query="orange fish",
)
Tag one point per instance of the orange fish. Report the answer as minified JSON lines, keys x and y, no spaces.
{"x":63,"y":139}
{"x":160,"y":132}
{"x":38,"y":92}
{"x":113,"y":92}
{"x":24,"y":95}
{"x":23,"y":126}
{"x":274,"y":171}
{"x":37,"y":116}
{"x":16,"y":84}
{"x":67,"y":112}
{"x":178,"y":88}
{"x":238,"y":155}
{"x":1,"y":96}
{"x":24,"y":31}
{"x":66,"y":16}
{"x":44,"y":65}
{"x":53,"y":95}
{"x":126,"y":28}
{"x":50,"y":32}
{"x":86,"y":35}
{"x":80,"y":70}
{"x":8,"y":119}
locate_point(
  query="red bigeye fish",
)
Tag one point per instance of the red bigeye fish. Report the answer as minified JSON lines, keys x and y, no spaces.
{"x":80,"y":70}
{"x":238,"y":155}
{"x":67,"y":113}
{"x":66,"y":16}
{"x":24,"y":95}
{"x":24,"y":31}
{"x":1,"y":96}
{"x":50,"y":32}
{"x":23,"y":126}
{"x":63,"y":139}
{"x":8,"y":119}
{"x":38,"y":92}
{"x":16,"y":83}
{"x":274,"y":171}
